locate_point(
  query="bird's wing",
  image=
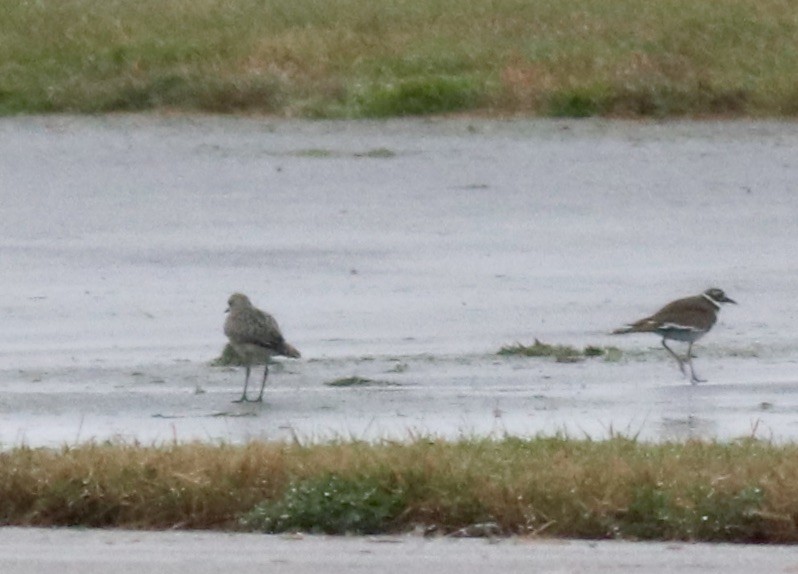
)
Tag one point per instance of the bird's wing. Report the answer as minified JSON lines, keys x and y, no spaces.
{"x":255,"y":327}
{"x":701,"y":316}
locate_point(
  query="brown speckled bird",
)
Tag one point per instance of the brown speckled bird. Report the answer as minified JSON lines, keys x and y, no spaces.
{"x":686,"y":319}
{"x":255,"y":336}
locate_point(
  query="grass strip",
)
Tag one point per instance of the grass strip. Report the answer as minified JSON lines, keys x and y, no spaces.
{"x":744,"y":491}
{"x":356,"y":58}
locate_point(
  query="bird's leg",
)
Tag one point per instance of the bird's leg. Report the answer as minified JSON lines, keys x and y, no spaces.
{"x":263,"y":383}
{"x":693,"y":377}
{"x":243,"y":398}
{"x":675,"y":356}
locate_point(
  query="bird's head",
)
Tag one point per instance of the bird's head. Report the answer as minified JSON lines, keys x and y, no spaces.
{"x":718,"y":296}
{"x":237,"y":301}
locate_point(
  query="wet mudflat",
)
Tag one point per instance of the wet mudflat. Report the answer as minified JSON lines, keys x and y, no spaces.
{"x":402,"y":252}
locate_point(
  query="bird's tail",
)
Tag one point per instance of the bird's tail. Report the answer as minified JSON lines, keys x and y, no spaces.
{"x":290,"y":351}
{"x":647,"y":325}
{"x":623,"y":330}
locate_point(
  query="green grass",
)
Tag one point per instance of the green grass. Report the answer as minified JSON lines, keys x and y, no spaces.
{"x":419,"y":96}
{"x":561,"y":353}
{"x":330,"y":504}
{"x":743,"y":491}
{"x":354,"y":58}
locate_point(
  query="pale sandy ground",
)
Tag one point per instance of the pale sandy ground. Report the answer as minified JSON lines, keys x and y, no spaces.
{"x":407,"y":252}
{"x":34,"y":551}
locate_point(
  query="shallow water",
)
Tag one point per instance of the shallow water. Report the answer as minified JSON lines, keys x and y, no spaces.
{"x":403,"y":251}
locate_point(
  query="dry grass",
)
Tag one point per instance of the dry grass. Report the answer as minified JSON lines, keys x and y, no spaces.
{"x":744,"y":491}
{"x":357,"y":58}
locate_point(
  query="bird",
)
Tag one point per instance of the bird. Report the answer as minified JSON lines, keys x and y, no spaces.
{"x":255,"y":336}
{"x":686,"y":320}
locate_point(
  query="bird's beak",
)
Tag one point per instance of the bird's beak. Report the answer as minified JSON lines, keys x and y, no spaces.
{"x":727,"y":300}
{"x":227,"y":310}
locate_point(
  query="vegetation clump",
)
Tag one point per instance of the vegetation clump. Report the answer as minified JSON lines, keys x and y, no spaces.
{"x":355,"y":381}
{"x":539,"y":349}
{"x":701,"y":512}
{"x":419,"y":96}
{"x":330,"y":504}
{"x":561,"y":353}
{"x":228,"y":358}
